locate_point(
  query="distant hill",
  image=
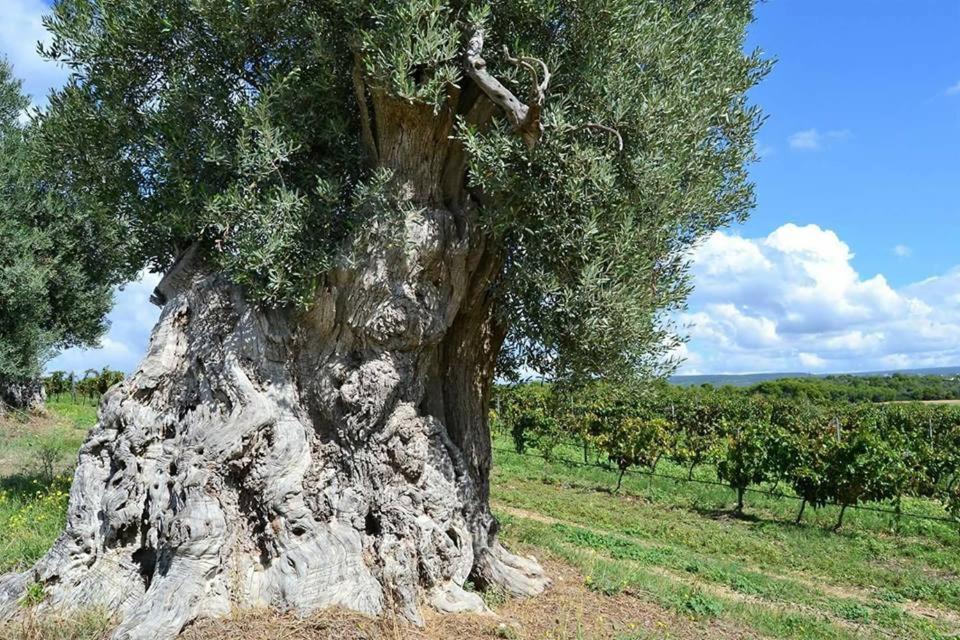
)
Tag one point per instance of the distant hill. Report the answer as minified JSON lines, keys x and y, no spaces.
{"x":750,"y":379}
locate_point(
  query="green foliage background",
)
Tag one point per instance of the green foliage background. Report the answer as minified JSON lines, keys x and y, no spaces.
{"x":54,"y":286}
{"x":234,"y":125}
{"x":827,"y":452}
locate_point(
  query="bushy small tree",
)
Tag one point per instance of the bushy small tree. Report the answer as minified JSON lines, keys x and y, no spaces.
{"x":52,"y":290}
{"x":634,"y":441}
{"x":528,"y":413}
{"x":862,"y":465}
{"x":56,"y":383}
{"x":535,"y":426}
{"x":810,"y":452}
{"x":748,"y":456}
{"x":699,"y":418}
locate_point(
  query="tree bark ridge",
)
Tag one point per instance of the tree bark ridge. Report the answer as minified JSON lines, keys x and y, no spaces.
{"x":297,"y":460}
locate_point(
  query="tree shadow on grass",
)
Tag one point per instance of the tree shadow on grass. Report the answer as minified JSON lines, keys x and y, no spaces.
{"x":732,"y":514}
{"x":592,"y":487}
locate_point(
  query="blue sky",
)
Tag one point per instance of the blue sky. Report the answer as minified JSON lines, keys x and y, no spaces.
{"x":850,"y":261}
{"x":877,"y":74}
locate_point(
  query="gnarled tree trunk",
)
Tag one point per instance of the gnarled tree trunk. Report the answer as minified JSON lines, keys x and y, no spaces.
{"x":304,"y":459}
{"x":26,"y":395}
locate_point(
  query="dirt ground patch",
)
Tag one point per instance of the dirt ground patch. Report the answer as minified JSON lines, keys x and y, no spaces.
{"x":567,"y":611}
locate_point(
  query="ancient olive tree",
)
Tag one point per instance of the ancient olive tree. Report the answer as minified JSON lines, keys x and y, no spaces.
{"x":50,"y":297}
{"x":363,"y":209}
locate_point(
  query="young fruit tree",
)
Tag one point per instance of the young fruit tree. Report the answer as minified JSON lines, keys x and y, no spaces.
{"x":747,"y":458}
{"x":362,"y":209}
{"x":52,"y":293}
{"x":635,"y":442}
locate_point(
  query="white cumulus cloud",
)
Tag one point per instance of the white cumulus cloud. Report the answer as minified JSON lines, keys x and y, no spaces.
{"x":792,"y":301}
{"x":814,"y":140}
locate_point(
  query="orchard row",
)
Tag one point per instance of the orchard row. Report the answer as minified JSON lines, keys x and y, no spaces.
{"x":828,"y":453}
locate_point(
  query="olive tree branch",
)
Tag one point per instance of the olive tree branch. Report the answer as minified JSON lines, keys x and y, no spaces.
{"x":525,"y":118}
{"x":603,"y":127}
{"x":366,"y":120}
{"x":539,"y":89}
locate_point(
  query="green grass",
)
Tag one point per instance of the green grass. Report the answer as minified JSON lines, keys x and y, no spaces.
{"x":33,"y":508}
{"x":82,"y":415}
{"x":672,"y":543}
{"x":677,"y":544}
{"x":36,"y":460}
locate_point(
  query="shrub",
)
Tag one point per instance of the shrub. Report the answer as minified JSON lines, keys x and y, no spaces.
{"x":747,"y":456}
{"x":631,"y":441}
{"x":47,"y":453}
{"x":862,"y":465}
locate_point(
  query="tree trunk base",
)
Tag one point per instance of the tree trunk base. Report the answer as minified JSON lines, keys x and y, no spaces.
{"x":22,"y":396}
{"x":259,"y":458}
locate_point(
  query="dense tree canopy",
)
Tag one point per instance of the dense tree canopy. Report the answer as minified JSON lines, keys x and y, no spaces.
{"x":245,"y":127}
{"x":863,"y":388}
{"x":53,"y":293}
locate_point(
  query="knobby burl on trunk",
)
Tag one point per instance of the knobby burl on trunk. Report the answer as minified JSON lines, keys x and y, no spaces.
{"x":305,"y":459}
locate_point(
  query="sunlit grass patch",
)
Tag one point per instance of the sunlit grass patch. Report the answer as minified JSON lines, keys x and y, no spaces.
{"x":32,"y":514}
{"x":83,"y":625}
{"x":36,"y":467}
{"x":658,"y":537}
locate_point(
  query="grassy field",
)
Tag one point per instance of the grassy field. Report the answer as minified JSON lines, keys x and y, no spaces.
{"x":677,"y":544}
{"x":660,"y":559}
{"x":37,"y":455}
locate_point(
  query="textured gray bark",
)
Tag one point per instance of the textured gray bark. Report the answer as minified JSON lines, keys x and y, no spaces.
{"x":28,"y":395}
{"x":338,"y":456}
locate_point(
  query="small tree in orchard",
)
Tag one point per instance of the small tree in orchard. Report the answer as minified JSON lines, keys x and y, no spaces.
{"x":698,"y":416}
{"x":532,"y":419}
{"x":748,"y":451}
{"x":808,"y":438}
{"x":56,"y":383}
{"x":930,"y":443}
{"x":362,"y":210}
{"x":863,"y":466}
{"x":632,"y":441}
{"x":52,"y":291}
{"x":107,"y":378}
{"x":590,"y":411}
{"x":94,"y":383}
{"x":938,"y":449}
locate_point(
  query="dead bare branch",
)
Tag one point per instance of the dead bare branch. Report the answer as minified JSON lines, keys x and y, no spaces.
{"x":539,"y":89}
{"x":524,"y":117}
{"x":476,"y":67}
